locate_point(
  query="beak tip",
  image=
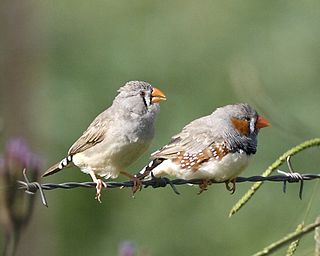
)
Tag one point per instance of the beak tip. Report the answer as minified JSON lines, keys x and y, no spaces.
{"x":157,"y":95}
{"x":262,"y":122}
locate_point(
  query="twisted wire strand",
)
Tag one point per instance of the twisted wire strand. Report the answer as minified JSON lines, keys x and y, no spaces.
{"x":33,"y":187}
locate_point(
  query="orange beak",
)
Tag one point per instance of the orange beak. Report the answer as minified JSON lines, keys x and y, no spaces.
{"x":157,"y":95}
{"x":262,"y":122}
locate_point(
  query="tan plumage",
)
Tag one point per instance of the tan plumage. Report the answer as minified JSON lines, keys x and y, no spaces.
{"x":117,"y":136}
{"x":193,"y":138}
{"x":94,"y":134}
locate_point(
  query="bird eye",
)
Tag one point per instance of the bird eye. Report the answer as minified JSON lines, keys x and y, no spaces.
{"x":142,"y":93}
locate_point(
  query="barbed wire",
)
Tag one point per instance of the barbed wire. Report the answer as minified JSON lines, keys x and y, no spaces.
{"x":285,"y":177}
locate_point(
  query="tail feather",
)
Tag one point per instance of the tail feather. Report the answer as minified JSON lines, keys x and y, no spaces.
{"x":146,"y":171}
{"x":65,"y":162}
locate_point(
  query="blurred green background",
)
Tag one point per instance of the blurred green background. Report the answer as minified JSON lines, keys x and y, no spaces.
{"x":61,"y":63}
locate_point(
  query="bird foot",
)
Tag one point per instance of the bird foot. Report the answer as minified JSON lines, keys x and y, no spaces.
{"x":232,"y":187}
{"x":137,"y":183}
{"x":99,"y":187}
{"x":203,"y":186}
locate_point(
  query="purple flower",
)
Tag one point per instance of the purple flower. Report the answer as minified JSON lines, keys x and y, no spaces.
{"x":15,"y":207}
{"x":127,"y":248}
{"x":18,"y":155}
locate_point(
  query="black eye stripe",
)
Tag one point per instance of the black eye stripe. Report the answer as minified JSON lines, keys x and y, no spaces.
{"x":144,"y":99}
{"x":145,"y":103}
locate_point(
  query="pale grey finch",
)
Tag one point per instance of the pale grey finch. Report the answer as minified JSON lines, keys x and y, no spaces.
{"x":117,"y":136}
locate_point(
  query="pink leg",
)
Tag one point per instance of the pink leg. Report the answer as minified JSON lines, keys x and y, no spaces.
{"x":99,"y":186}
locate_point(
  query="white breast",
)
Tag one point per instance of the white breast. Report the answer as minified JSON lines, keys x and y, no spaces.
{"x":108,"y":159}
{"x":124,"y":142}
{"x":230,"y":166}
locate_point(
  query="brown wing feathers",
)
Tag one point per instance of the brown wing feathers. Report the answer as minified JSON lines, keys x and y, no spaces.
{"x":92,"y":136}
{"x":192,"y":161}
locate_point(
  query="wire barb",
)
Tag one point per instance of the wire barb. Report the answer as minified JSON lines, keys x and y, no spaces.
{"x":158,"y":182}
{"x":294,"y":177}
{"x":32,"y":187}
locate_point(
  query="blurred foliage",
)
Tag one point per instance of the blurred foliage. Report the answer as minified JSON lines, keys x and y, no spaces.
{"x":61,"y":63}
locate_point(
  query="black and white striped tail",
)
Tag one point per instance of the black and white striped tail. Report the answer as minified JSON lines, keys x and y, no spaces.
{"x":148,"y":169}
{"x":58,"y":166}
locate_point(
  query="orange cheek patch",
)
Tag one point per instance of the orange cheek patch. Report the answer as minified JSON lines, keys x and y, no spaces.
{"x":241,"y":125}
